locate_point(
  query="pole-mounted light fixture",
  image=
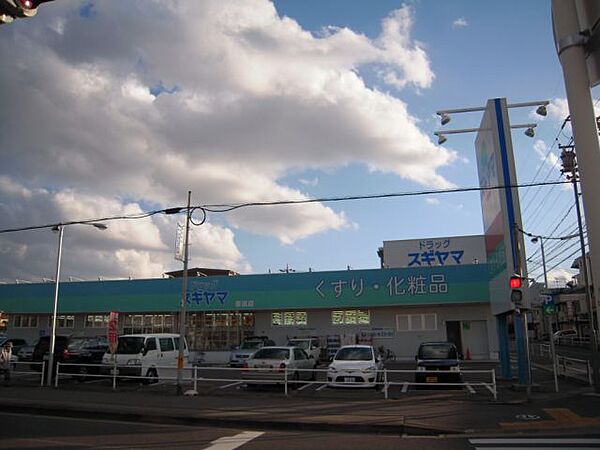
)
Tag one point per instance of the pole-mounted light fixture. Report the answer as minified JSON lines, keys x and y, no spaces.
{"x":444,"y":118}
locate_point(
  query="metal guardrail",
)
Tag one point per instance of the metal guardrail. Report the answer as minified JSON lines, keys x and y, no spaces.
{"x":282,"y":376}
{"x":16,"y":365}
{"x":579,"y":369}
{"x":567,"y":367}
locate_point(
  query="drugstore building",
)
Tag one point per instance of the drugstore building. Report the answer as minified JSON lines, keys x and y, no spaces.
{"x":396,"y":308}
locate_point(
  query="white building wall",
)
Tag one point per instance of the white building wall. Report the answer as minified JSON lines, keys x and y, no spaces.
{"x":403,"y":343}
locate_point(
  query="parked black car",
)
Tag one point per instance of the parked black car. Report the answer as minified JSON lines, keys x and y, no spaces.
{"x":41,"y":351}
{"x":76,"y":350}
{"x":434,"y":357}
{"x":84,"y":352}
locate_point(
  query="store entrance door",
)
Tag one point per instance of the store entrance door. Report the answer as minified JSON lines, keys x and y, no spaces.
{"x":453,"y":333}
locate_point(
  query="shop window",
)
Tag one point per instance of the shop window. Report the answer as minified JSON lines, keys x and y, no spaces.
{"x":62,"y":321}
{"x":96,"y":321}
{"x":416,"y":322}
{"x":25,"y":321}
{"x":147,"y":323}
{"x":218,"y":331}
{"x":350,"y":317}
{"x":402,"y":322}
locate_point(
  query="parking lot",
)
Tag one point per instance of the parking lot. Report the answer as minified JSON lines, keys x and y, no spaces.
{"x":397,"y":381}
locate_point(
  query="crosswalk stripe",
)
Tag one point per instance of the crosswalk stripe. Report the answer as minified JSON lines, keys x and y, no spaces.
{"x":233,"y":442}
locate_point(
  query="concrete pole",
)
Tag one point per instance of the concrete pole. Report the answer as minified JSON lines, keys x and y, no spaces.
{"x":182,"y":313}
{"x":61,"y":230}
{"x":571,"y":52}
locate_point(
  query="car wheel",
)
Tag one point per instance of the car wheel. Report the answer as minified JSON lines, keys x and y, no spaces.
{"x":151,"y":376}
{"x":83,"y":371}
{"x":378,"y":379}
{"x":295,"y":380}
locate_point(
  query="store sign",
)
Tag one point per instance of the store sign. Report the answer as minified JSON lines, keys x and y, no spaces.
{"x":336,"y":290}
{"x":378,"y":332}
{"x":448,"y":251}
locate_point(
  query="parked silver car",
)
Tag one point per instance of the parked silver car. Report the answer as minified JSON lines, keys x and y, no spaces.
{"x":239,"y":356}
{"x":270,"y":364}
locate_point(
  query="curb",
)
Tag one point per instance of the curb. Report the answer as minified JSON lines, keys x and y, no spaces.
{"x":70,"y":410}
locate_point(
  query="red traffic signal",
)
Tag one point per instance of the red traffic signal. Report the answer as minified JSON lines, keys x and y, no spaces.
{"x":516,"y":282}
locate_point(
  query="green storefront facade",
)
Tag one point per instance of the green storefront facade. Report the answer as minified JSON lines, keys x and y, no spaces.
{"x":393,"y":306}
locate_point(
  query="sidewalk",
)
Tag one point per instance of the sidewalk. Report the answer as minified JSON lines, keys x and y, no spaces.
{"x":416,"y":413}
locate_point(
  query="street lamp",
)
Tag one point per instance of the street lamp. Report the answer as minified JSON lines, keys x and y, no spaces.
{"x":60,"y":228}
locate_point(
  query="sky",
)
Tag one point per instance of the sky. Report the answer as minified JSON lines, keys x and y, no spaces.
{"x":117,"y":108}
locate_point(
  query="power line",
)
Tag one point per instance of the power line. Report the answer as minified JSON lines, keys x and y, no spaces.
{"x":222,"y":208}
{"x":230,"y":207}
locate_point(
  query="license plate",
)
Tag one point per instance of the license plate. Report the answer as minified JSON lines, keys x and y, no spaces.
{"x":114,"y":371}
{"x":431,"y":379}
{"x":348,"y":380}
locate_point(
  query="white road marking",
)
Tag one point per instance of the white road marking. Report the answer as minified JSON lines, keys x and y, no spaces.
{"x":404,"y":388}
{"x":535,"y":448}
{"x":304,"y":386}
{"x":470,"y":388}
{"x":231,"y":385}
{"x":535,"y":441}
{"x":232,"y":442}
{"x":323,"y":386}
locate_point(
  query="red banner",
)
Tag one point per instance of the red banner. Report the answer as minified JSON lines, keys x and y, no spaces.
{"x":113,"y":331}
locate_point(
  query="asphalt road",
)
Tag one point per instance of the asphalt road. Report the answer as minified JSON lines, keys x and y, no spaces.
{"x":21,"y":431}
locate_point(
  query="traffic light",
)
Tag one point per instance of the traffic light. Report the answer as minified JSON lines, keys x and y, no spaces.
{"x":516,"y":294}
{"x":9,"y":9}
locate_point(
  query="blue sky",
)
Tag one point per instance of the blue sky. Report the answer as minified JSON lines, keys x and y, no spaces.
{"x":243,"y":101}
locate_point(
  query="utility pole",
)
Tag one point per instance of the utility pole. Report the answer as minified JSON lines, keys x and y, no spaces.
{"x":574,"y":44}
{"x":570,"y":165}
{"x":182,"y":313}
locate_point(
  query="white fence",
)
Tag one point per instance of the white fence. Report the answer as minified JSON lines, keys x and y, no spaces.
{"x":26,"y":369}
{"x":384,"y":379}
{"x":578,"y":369}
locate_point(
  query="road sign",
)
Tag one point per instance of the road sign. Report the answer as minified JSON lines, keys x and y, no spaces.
{"x":113,"y":331}
{"x":548,"y":305}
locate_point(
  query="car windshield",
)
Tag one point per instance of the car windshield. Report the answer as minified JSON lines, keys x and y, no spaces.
{"x":299,"y":344}
{"x":81,"y":343}
{"x":437,"y":351}
{"x":78,"y":344}
{"x":272,"y":353}
{"x":354,"y":354}
{"x":130,"y":345}
{"x":250,"y":345}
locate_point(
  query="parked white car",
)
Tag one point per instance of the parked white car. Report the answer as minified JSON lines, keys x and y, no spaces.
{"x":269,"y":365}
{"x":149,"y":355}
{"x":311,"y":345}
{"x":355,"y":366}
{"x":565,"y":334}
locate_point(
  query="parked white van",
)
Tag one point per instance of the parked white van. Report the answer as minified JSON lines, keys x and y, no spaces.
{"x":149,"y":355}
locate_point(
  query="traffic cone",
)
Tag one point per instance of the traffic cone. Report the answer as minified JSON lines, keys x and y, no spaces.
{"x":468,"y":354}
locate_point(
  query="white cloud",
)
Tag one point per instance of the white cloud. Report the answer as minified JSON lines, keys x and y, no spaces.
{"x":138,"y":248}
{"x":461,"y":22}
{"x":559,"y":277}
{"x":247,"y":98}
{"x":309,"y":182}
{"x":432,"y":200}
{"x":541,"y":149}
